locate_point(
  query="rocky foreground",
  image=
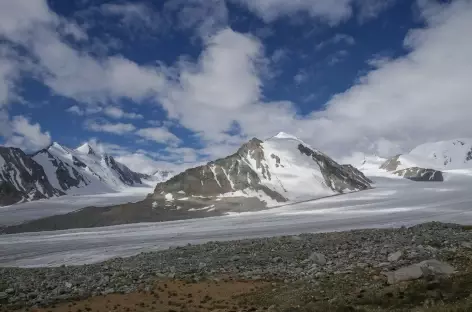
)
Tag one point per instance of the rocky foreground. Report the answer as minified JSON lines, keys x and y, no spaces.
{"x":425,"y":267}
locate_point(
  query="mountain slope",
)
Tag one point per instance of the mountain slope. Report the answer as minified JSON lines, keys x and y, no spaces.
{"x":84,"y":171}
{"x":443,"y":155}
{"x":282,"y":168}
{"x":21,"y":178}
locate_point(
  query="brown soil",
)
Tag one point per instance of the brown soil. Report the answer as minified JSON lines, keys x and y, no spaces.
{"x":169,"y":296}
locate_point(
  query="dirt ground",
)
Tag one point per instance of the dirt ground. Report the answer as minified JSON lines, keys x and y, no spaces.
{"x":169,"y":296}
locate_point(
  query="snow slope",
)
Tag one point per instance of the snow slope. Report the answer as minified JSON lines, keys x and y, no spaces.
{"x":293,"y":174}
{"x":443,"y":155}
{"x":393,"y":203}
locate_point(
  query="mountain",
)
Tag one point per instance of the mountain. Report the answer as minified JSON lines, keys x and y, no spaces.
{"x":163,"y":175}
{"x":443,"y":155}
{"x":22,"y":179}
{"x":280,"y":169}
{"x":58,"y":170}
{"x":83,"y":170}
{"x":260,"y":174}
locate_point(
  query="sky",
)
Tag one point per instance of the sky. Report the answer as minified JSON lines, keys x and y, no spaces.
{"x":170,"y":84}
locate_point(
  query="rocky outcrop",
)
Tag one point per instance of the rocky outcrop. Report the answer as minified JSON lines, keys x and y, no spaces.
{"x":338,"y":177}
{"x":224,"y":175}
{"x":66,"y":175}
{"x":125,"y":174}
{"x":421,"y":174}
{"x":21,"y":178}
{"x":391,"y":164}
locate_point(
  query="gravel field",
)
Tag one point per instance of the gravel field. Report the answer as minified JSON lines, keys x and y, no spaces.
{"x":363,"y":258}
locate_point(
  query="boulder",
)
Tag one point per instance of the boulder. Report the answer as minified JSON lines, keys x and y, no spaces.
{"x":415,"y":271}
{"x":318,"y":258}
{"x":395,"y":256}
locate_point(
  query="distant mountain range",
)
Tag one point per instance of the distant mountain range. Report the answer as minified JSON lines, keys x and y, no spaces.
{"x":58,"y":170}
{"x":259,"y":175}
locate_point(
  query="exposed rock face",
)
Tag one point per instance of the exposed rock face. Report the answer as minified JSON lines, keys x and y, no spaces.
{"x":338,"y":177}
{"x":66,"y":174}
{"x":224,"y":175}
{"x":84,"y":170}
{"x":126,"y":176}
{"x":421,"y":174}
{"x":391,"y":164}
{"x":163,"y":175}
{"x":57,"y":170}
{"x":21,"y":178}
{"x":267,"y":167}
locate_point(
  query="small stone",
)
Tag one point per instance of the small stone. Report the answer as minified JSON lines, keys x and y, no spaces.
{"x":3,"y":295}
{"x":319,"y":274}
{"x":277,"y":260}
{"x":235,"y":258}
{"x":395,"y":256}
{"x":9,"y":291}
{"x":318,"y":258}
{"x":68,"y":285}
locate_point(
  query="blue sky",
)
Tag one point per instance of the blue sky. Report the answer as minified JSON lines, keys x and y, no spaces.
{"x":178,"y":82}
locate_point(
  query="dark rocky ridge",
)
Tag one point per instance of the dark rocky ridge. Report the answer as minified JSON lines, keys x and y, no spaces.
{"x":21,"y":178}
{"x":126,"y":175}
{"x":64,"y":177}
{"x":224,"y":175}
{"x":338,"y":177}
{"x":421,"y":174}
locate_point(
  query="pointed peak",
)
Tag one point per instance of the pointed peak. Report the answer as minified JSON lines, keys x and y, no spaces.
{"x":284,"y":135}
{"x":86,"y":149}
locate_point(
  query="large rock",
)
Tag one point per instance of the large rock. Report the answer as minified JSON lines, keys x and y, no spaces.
{"x":418,"y":270}
{"x":395,"y":256}
{"x":421,"y":174}
{"x":318,"y":258}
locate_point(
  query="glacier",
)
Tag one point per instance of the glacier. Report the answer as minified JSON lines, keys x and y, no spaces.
{"x":394,"y":202}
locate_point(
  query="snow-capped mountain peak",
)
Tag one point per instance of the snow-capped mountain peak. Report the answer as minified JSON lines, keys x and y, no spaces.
{"x":86,"y":149}
{"x":442,"y":155}
{"x":280,"y":169}
{"x":83,"y":171}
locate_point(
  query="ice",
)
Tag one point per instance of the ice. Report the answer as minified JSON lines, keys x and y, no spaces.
{"x":393,"y":203}
{"x":59,"y":205}
{"x":169,"y":197}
